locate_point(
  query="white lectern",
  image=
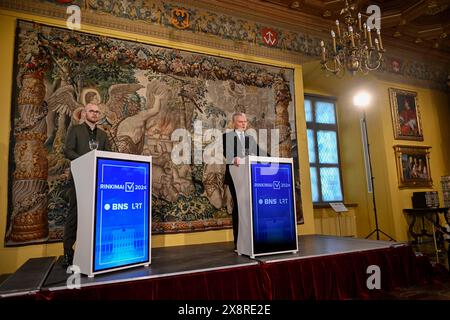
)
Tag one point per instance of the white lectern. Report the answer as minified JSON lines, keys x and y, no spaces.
{"x":114,"y":211}
{"x":266,"y":203}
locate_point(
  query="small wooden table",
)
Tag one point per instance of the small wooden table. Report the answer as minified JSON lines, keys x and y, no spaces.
{"x":431,"y":215}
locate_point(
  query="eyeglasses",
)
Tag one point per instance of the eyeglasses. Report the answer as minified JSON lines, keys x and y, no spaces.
{"x":94,"y":111}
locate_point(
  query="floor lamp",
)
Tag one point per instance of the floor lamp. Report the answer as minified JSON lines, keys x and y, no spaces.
{"x":362,"y":100}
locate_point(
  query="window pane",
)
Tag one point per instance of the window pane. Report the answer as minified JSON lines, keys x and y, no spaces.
{"x":331,"y":184}
{"x":314,"y":187}
{"x":308,"y":111}
{"x":327,"y":145}
{"x":325,"y":112}
{"x":311,"y":145}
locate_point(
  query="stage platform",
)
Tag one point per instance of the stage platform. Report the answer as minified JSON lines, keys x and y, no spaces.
{"x":326,"y":267}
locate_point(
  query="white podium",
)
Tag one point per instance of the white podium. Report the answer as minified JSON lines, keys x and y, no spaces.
{"x":266,"y":202}
{"x":114,"y":211}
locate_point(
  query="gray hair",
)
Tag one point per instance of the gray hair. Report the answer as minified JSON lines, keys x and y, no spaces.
{"x":236,"y":114}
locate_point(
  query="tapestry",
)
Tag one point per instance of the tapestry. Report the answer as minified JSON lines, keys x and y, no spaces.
{"x":146,"y":94}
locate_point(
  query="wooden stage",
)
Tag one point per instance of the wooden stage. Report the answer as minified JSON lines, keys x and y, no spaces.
{"x":326,"y":267}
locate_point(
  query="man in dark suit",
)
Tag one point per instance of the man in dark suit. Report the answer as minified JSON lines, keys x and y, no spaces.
{"x":236,"y":145}
{"x":80,"y":139}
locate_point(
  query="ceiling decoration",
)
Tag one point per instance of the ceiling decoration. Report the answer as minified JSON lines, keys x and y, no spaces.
{"x":421,"y":24}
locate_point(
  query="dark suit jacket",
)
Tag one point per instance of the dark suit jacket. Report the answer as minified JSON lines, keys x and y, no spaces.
{"x":232,"y":147}
{"x":77,"y":141}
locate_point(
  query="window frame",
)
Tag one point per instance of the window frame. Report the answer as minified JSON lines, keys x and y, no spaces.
{"x":315,"y":127}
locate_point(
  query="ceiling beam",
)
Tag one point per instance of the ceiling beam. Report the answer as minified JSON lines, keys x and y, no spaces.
{"x":414,"y":11}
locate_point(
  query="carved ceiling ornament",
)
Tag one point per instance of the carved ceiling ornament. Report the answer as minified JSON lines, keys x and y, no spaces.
{"x":180,"y":18}
{"x":434,"y":7}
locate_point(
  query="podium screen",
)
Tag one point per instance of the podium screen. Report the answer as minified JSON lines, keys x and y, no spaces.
{"x":122,"y":216}
{"x":274,"y":227}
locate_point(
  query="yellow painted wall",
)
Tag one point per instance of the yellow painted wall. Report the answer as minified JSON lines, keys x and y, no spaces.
{"x":435,"y":115}
{"x":329,"y":222}
{"x":390,"y":200}
{"x":12,"y":257}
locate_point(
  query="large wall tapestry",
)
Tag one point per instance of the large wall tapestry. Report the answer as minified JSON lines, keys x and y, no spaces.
{"x":144,"y":92}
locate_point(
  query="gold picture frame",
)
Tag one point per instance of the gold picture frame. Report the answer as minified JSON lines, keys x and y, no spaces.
{"x":405,"y":115}
{"x":413,"y":166}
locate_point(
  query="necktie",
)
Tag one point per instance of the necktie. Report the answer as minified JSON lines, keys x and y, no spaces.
{"x":242,"y":142}
{"x":242,"y":138}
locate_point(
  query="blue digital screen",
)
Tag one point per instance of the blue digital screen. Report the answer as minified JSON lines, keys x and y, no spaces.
{"x":274,"y":228}
{"x":122,"y":213}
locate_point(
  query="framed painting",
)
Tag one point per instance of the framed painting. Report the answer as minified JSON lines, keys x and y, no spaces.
{"x":413,"y":166}
{"x":405,"y":115}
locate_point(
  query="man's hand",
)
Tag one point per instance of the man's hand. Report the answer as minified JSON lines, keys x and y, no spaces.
{"x":236,"y":161}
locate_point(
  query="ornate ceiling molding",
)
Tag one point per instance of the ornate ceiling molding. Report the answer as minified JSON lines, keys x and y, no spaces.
{"x":219,"y":26}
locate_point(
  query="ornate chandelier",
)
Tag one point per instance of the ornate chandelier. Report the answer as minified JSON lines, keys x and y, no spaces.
{"x":353,"y":49}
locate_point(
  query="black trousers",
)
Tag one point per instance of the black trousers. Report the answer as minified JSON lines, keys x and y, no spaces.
{"x":234,"y":213}
{"x":70,"y":228}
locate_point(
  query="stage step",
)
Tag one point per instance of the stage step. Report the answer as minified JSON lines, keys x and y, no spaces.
{"x":3,"y":277}
{"x":28,"y":278}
